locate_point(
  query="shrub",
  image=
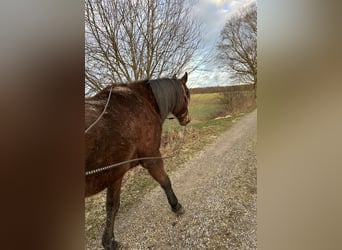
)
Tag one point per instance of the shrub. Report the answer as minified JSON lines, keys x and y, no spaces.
{"x":238,"y":101}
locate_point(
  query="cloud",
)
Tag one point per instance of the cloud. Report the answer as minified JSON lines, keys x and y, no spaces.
{"x":206,"y":79}
{"x":213,"y":14}
{"x":221,"y":2}
{"x":212,"y":17}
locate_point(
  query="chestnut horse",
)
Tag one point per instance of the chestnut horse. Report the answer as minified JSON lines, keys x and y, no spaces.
{"x":130,"y":128}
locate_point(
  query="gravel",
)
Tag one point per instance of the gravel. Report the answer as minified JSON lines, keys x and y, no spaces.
{"x":218,"y":191}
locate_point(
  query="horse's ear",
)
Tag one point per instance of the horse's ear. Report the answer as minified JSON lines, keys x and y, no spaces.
{"x":184,"y":78}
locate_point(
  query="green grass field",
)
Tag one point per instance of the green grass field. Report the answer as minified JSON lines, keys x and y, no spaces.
{"x":205,"y":106}
{"x":202,"y":107}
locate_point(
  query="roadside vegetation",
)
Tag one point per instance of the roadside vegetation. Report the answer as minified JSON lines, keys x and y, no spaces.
{"x":212,"y":113}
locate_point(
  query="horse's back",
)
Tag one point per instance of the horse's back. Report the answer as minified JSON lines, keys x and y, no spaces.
{"x":127,"y":125}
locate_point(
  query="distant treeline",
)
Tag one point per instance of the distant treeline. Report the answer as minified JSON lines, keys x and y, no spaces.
{"x":233,"y":88}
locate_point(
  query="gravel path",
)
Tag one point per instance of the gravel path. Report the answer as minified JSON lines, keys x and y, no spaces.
{"x":217,"y":189}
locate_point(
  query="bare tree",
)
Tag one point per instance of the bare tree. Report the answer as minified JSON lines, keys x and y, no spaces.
{"x":128,"y":40}
{"x":237,"y":48}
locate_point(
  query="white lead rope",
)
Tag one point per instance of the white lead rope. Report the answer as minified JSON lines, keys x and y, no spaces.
{"x":104,"y":110}
{"x":137,"y":159}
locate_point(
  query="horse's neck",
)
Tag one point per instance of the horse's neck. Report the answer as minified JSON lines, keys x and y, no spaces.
{"x":145,"y":91}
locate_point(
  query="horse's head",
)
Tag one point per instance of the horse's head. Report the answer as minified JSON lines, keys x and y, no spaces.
{"x":182,"y":112}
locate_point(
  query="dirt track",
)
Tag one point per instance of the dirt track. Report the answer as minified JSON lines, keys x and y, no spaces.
{"x":217,"y":189}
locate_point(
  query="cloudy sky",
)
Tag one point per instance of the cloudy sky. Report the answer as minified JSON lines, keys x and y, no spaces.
{"x":213,"y":14}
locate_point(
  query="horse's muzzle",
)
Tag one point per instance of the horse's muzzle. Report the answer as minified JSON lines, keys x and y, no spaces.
{"x":185,"y":121}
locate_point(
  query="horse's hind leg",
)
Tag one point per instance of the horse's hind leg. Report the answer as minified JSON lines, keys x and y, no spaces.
{"x":156,"y":170}
{"x":112,"y":206}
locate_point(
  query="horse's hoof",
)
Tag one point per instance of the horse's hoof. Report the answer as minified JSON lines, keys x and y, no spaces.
{"x":179,"y":210}
{"x":113,"y":246}
{"x":116,"y":245}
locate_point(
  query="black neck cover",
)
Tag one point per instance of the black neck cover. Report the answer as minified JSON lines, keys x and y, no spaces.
{"x":168,"y":94}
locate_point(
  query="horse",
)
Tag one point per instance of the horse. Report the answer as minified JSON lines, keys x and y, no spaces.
{"x":130,"y":127}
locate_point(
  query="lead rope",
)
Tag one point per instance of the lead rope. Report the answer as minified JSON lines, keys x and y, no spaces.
{"x":139,"y":159}
{"x":104,"y":110}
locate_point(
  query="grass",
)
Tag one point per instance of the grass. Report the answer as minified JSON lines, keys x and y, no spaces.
{"x":204,"y":98}
{"x":202,"y":131}
{"x":205,"y":106}
{"x":202,"y":107}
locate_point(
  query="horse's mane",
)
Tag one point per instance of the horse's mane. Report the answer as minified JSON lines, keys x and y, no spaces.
{"x":104,"y":92}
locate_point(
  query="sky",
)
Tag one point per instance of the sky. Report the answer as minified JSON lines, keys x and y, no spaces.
{"x":213,"y":14}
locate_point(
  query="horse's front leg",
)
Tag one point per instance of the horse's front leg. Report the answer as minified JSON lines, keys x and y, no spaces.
{"x":156,"y":170}
{"x":112,"y":206}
